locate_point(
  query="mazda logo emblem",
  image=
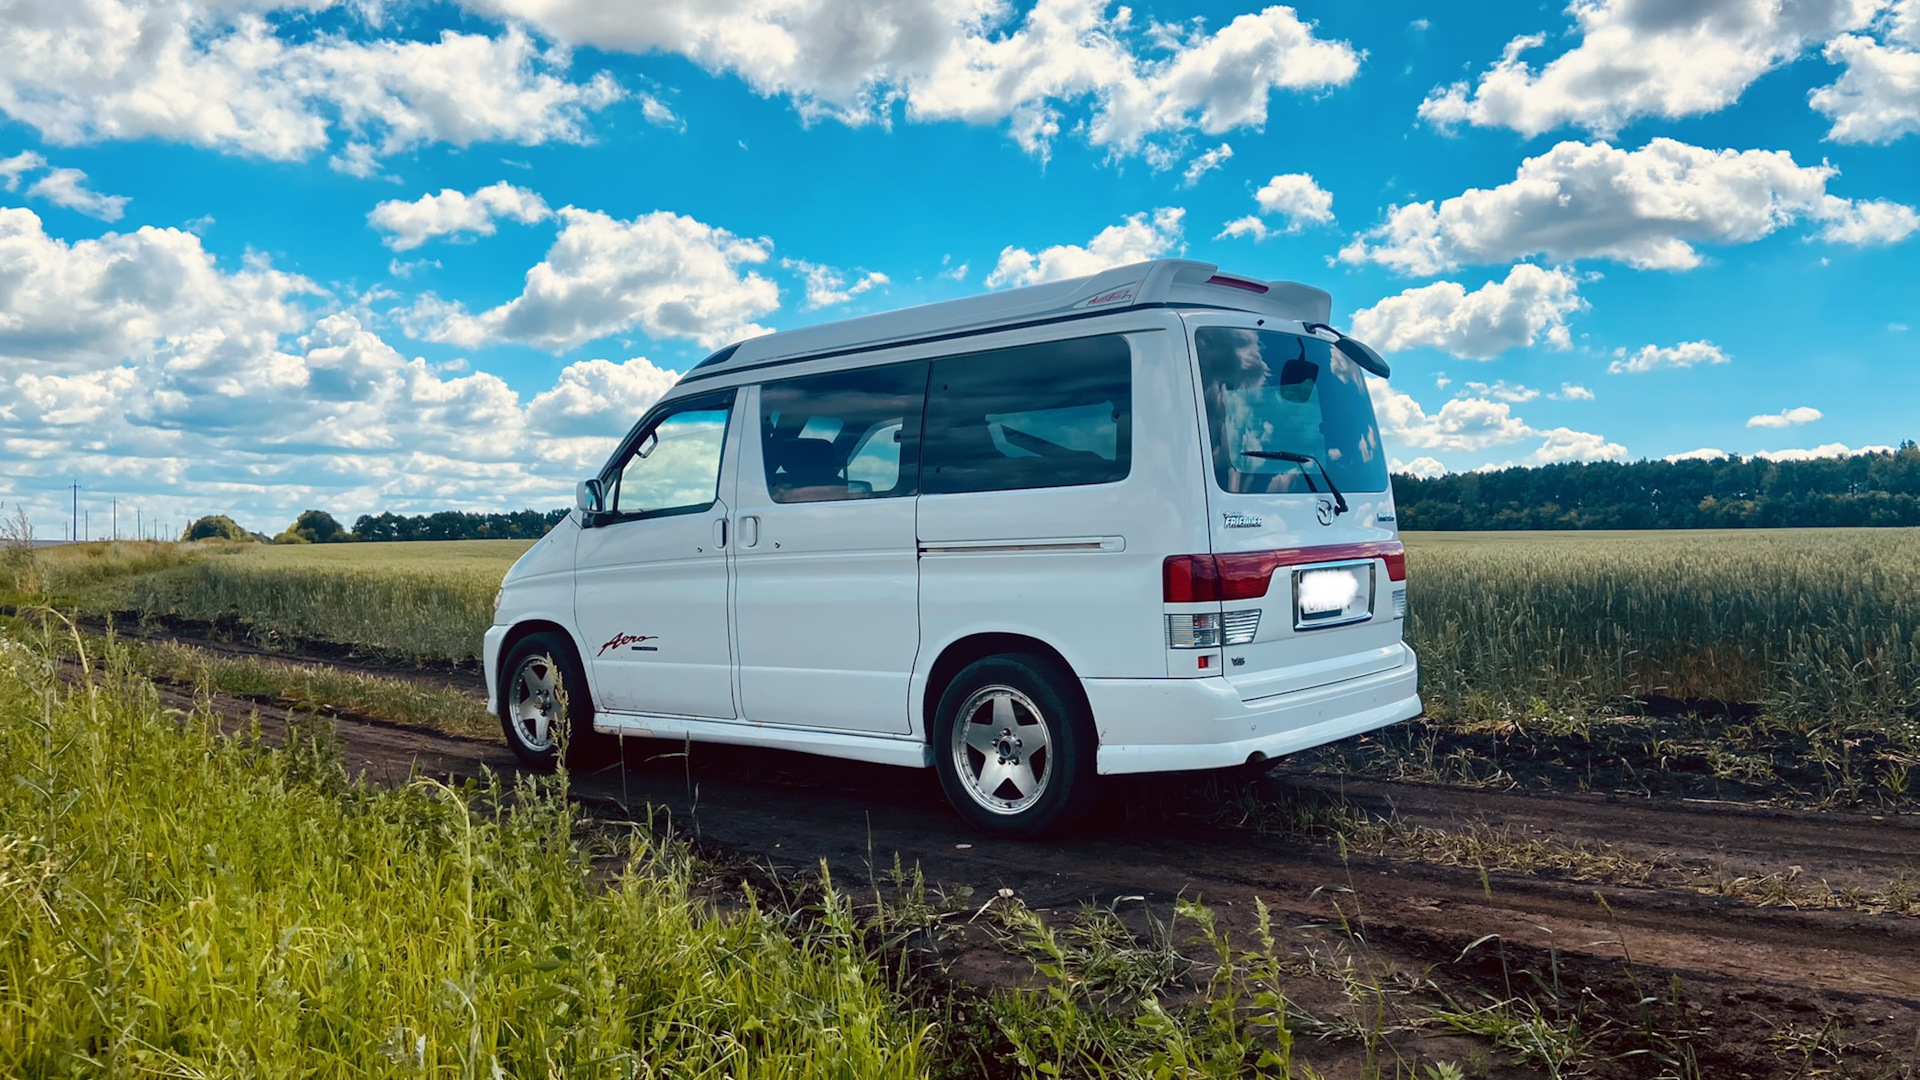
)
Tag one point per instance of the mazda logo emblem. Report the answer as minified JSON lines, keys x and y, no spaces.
{"x":1325,"y":511}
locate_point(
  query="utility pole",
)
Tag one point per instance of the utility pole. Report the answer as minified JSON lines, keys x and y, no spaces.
{"x":74,"y":533}
{"x":116,"y":517}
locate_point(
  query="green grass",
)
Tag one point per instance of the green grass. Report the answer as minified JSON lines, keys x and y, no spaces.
{"x":174,"y":902}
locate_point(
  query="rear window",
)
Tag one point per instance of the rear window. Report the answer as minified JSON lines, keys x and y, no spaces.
{"x":1051,"y":415}
{"x":1270,"y":395}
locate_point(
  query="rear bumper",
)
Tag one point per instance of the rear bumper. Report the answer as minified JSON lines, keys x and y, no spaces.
{"x":1169,"y":725}
{"x":490,"y":662}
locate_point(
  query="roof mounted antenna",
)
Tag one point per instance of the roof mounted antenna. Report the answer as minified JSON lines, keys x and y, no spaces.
{"x":1357,"y":351}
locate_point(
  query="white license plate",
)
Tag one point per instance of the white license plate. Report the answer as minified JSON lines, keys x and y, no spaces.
{"x":1332,"y":595}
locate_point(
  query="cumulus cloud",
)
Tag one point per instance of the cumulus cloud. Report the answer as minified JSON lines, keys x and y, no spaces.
{"x":68,"y":188}
{"x":1785,"y":418}
{"x":1825,"y":450}
{"x":827,"y":286}
{"x":665,"y":273}
{"x":1425,"y":468}
{"x":1294,"y":197}
{"x":1532,"y":303}
{"x":407,"y":225}
{"x":1639,"y":58}
{"x":1646,"y":208}
{"x":1478,"y":423}
{"x":1206,"y":163}
{"x":1571,"y":392}
{"x":979,"y":61}
{"x":1877,"y":98}
{"x":138,"y":361}
{"x":1868,"y":223}
{"x":225,"y":77}
{"x":1654,"y":357}
{"x":1504,"y":391}
{"x":1705,"y":453}
{"x":1139,"y":238}
{"x":13,"y":168}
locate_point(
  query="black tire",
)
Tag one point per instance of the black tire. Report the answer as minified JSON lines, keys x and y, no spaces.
{"x":568,"y":714}
{"x":1049,"y":733}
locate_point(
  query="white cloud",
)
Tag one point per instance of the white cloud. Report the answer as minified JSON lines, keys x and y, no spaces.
{"x":1477,"y":423}
{"x":223,"y":76}
{"x":1646,"y":207}
{"x":659,"y":114}
{"x":1531,"y":303}
{"x":1571,"y":392}
{"x":1705,"y":453}
{"x":1785,"y":418}
{"x":1877,"y":98}
{"x":139,"y":363}
{"x":68,"y":188}
{"x":1825,"y":450}
{"x":827,"y":286}
{"x":1251,"y":225}
{"x":1425,"y":468}
{"x":1565,"y":444}
{"x":1295,"y":197}
{"x":1206,"y":163}
{"x":1504,"y":391}
{"x":1639,"y":58}
{"x":1876,"y":222}
{"x":974,"y":60}
{"x":1139,"y":238}
{"x":1654,"y":357}
{"x":668,"y":274}
{"x":12,"y":168}
{"x":407,"y":225}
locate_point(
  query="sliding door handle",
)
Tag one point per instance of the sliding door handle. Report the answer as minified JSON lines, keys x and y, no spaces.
{"x":750,"y":530}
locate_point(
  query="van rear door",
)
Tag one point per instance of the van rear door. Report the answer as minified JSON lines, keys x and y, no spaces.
{"x":1311,"y":575}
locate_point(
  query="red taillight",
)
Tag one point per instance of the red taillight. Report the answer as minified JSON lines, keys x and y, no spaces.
{"x":1189,"y":579}
{"x":1237,"y":283}
{"x":1247,"y":575}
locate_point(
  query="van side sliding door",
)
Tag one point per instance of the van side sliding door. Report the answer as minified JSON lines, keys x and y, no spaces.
{"x":826,"y":574}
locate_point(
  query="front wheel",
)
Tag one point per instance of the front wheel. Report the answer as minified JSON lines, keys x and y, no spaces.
{"x":1014,"y":749}
{"x":545,"y":704}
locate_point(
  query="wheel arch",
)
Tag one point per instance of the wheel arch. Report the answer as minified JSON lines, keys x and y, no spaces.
{"x":527,"y":628}
{"x":965,"y":650}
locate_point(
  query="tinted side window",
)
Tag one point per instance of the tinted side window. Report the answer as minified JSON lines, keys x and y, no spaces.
{"x":1052,"y":415}
{"x":675,"y":467}
{"x":843,"y":435}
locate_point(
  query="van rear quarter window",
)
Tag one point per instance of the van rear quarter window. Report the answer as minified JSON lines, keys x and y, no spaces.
{"x":1057,"y":414}
{"x":1270,"y":393}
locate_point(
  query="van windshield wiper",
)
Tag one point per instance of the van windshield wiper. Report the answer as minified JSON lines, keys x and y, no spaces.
{"x":1339,"y":500}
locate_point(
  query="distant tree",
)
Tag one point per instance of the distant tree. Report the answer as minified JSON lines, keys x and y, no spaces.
{"x":314,"y":527}
{"x":216,"y":527}
{"x":1732,"y":493}
{"x":456,"y":525}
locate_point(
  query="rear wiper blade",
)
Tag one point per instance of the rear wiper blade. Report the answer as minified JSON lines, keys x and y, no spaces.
{"x":1339,"y":500}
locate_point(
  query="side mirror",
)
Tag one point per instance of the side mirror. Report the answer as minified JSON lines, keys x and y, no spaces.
{"x":588,"y":496}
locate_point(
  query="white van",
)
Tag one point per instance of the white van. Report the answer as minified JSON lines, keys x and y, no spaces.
{"x":1131,"y":522}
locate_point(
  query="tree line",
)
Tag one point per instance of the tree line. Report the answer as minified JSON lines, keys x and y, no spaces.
{"x":1731,"y":493}
{"x":320,"y":527}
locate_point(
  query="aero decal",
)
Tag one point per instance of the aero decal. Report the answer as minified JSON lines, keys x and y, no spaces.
{"x":624,"y":638}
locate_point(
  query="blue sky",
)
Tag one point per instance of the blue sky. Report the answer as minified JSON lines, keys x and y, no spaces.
{"x":380,"y":256}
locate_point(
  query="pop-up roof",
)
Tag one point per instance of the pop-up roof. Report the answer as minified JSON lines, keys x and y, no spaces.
{"x":1162,"y":282}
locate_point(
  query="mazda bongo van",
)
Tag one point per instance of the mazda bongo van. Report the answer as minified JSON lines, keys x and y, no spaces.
{"x":1132,"y":522}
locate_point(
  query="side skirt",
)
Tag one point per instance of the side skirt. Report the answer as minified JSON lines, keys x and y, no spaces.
{"x":908,"y":751}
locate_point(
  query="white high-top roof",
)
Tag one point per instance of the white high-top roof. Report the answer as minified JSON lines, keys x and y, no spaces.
{"x":1162,"y":282}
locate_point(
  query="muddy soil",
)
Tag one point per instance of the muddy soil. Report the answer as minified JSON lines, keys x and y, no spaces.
{"x":1658,"y":980}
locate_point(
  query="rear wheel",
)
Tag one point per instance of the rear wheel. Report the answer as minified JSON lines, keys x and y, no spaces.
{"x":545,"y":704}
{"x":1014,"y":749}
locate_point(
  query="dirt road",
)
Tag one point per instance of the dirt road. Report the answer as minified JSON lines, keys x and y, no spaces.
{"x":1654,"y":973}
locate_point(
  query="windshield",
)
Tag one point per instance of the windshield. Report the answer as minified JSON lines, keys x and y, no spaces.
{"x":1271,"y":396}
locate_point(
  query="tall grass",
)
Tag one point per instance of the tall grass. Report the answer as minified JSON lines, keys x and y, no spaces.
{"x":174,"y":902}
{"x":1813,"y":623}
